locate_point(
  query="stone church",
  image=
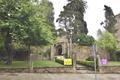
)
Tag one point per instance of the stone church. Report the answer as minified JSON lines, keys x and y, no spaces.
{"x":117,"y":26}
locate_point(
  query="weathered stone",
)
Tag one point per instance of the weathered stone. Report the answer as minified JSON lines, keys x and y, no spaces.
{"x":109,"y":69}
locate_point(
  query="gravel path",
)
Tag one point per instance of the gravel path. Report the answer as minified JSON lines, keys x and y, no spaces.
{"x":59,"y":76}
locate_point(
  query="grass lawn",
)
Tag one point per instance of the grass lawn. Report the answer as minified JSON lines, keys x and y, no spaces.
{"x":113,"y":63}
{"x":15,"y":64}
{"x":46,"y":64}
{"x":24,"y":64}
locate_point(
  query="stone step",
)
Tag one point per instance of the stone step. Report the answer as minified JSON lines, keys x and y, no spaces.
{"x":85,"y":71}
{"x":81,"y":67}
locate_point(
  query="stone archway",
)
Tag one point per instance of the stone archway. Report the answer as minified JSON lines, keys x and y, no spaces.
{"x":59,"y":50}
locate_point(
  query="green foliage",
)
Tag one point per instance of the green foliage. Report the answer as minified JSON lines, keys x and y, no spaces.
{"x":73,"y":17}
{"x":1,"y":43}
{"x":86,"y":63}
{"x":84,"y":40}
{"x":61,"y":32}
{"x":90,"y":58}
{"x":61,"y":61}
{"x":107,"y":41}
{"x":110,"y":19}
{"x":26,"y":21}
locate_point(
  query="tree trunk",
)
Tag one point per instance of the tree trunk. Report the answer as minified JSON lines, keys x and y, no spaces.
{"x":8,"y":46}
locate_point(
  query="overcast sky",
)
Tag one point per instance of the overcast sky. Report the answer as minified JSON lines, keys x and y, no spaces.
{"x":94,"y":13}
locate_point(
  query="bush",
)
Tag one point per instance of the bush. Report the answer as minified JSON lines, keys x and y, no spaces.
{"x":59,"y":59}
{"x":64,"y":61}
{"x":91,"y":58}
{"x":86,"y":63}
{"x":107,"y":42}
{"x":84,"y":40}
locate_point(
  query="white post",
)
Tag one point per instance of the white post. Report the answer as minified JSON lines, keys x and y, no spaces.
{"x":31,"y":63}
{"x":71,"y":45}
{"x":95,"y":64}
{"x":68,"y":50}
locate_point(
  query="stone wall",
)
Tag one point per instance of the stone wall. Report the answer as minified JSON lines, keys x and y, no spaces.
{"x":38,"y":70}
{"x":109,"y":69}
{"x":106,"y":68}
{"x":117,"y":26}
{"x":82,"y":52}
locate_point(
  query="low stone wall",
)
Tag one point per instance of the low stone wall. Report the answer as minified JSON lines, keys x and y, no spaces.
{"x":53,"y":70}
{"x":38,"y":70}
{"x":109,"y":69}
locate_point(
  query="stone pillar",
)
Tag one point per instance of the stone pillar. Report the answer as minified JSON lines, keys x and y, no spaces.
{"x":99,"y":63}
{"x":63,"y":49}
{"x":52,"y":55}
{"x":74,"y":60}
{"x":68,"y":50}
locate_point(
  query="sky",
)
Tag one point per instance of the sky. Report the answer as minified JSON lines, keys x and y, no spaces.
{"x":94,"y":13}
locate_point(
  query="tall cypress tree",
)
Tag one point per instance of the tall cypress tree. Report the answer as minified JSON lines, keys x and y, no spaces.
{"x":73,"y":16}
{"x":110,"y":19}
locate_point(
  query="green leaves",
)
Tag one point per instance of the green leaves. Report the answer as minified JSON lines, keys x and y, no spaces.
{"x":84,"y":40}
{"x":28,"y":22}
{"x":107,"y":41}
{"x":73,"y":16}
{"x":110,"y":19}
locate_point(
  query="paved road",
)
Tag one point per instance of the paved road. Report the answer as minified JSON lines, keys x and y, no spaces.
{"x":59,"y":76}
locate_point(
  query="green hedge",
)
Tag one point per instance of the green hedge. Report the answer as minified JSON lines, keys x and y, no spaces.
{"x":87,"y":63}
{"x":64,"y":61}
{"x":91,"y":58}
{"x":59,"y":61}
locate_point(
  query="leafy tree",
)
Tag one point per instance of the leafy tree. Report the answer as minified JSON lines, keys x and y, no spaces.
{"x":107,"y":41}
{"x":61,"y":32}
{"x":24,"y":21}
{"x":48,"y":12}
{"x":110,"y":19}
{"x":84,"y":40}
{"x":73,"y":17}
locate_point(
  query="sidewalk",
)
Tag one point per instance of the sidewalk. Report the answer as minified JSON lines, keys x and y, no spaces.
{"x":59,"y":76}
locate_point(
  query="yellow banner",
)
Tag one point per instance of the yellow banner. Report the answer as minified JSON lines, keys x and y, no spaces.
{"x":67,"y":61}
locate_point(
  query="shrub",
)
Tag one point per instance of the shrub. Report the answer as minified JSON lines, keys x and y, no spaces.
{"x":84,"y":40}
{"x":64,"y":61}
{"x":107,"y":42}
{"x":59,"y":61}
{"x":86,"y":63}
{"x":91,"y":58}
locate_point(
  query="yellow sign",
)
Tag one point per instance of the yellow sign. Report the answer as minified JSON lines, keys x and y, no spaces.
{"x":67,"y":61}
